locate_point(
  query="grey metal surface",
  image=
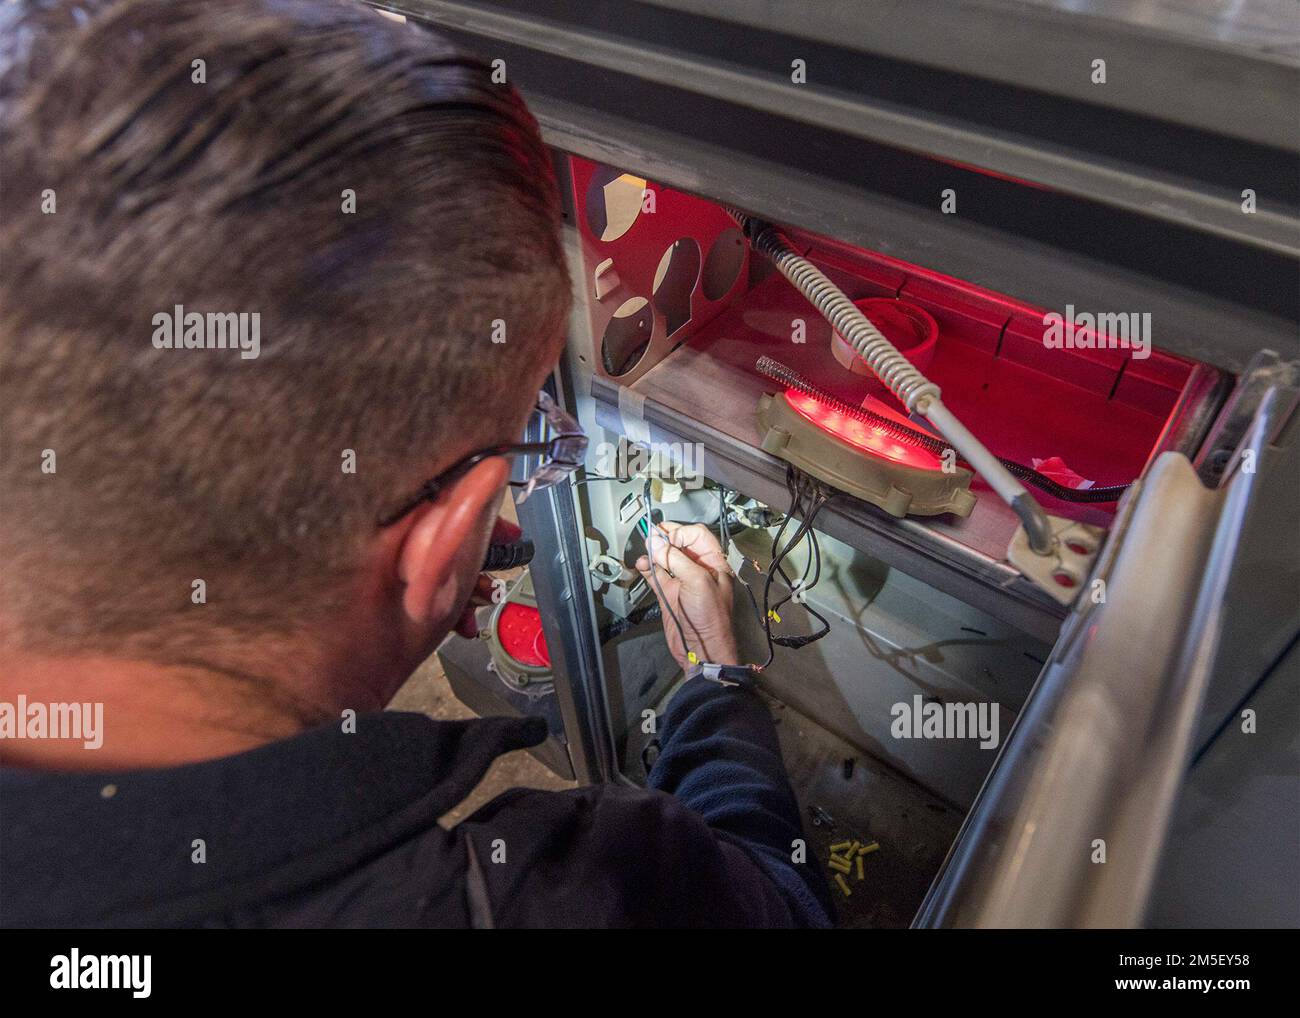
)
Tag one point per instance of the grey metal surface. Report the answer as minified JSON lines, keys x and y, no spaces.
{"x":1123,"y":209}
{"x":560,"y":580}
{"x":1265,"y":587}
{"x":1265,"y":372}
{"x":595,"y":42}
{"x":1233,"y":855}
{"x":1184,"y":49}
{"x":892,"y":638}
{"x":1194,"y":415}
{"x":1100,"y":750}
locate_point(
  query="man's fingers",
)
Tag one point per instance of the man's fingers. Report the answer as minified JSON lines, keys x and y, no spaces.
{"x":699,"y":542}
{"x":674,"y":560}
{"x":666,"y":583}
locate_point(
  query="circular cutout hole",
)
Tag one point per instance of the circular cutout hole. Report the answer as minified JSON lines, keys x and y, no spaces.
{"x":627,"y":337}
{"x":613,"y":202}
{"x":722,"y":266}
{"x":675,"y":278}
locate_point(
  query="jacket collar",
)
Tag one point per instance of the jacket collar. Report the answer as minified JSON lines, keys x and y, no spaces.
{"x":98,"y":848}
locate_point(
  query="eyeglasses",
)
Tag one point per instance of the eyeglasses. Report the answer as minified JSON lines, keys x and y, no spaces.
{"x":561,"y":454}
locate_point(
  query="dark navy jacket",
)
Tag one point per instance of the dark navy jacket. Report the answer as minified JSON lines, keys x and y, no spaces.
{"x":335,"y":829}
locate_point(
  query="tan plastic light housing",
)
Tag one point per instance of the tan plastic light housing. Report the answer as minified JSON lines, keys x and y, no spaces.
{"x":902,"y":480}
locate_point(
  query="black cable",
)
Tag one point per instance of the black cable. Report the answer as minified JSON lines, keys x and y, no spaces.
{"x":1103,"y":493}
{"x":794,"y":485}
{"x":796,"y":482}
{"x":773,"y":571}
{"x":801,"y":487}
{"x":806,"y":585}
{"x":812,"y":491}
{"x":723,"y":535}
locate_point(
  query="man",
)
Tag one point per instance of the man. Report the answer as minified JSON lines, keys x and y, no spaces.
{"x":254,"y":256}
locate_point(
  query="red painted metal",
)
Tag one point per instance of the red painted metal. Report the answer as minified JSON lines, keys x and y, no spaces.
{"x":1100,"y":411}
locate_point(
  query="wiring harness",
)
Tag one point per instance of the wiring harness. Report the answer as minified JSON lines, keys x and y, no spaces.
{"x":808,"y":497}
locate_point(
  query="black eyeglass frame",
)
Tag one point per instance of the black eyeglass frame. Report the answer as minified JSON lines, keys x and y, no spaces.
{"x":562,"y":454}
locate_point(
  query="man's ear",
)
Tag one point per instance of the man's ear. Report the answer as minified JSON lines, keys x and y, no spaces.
{"x":447,"y":541}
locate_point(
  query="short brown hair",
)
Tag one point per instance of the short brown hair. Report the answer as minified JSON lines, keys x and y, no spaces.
{"x":128,"y":186}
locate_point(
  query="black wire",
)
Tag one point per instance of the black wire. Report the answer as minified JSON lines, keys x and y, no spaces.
{"x":796,"y":513}
{"x":589,"y":480}
{"x":1104,"y":493}
{"x":723,"y":535}
{"x":802,"y":488}
{"x":812,"y":489}
{"x":796,"y":482}
{"x":817,"y":575}
{"x":774,"y":567}
{"x":814,"y":493}
{"x":805,"y":585}
{"x":773,"y":571}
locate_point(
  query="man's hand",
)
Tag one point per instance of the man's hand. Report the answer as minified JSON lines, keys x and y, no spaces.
{"x":697,"y":584}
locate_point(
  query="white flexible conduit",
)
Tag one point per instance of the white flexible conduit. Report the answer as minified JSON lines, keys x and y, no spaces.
{"x":916,"y":392}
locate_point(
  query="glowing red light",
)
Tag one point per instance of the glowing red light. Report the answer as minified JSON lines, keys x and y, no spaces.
{"x":519,"y":628}
{"x":869,"y":438}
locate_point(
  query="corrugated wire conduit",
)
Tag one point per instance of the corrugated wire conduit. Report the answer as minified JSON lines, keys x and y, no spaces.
{"x":898,"y":374}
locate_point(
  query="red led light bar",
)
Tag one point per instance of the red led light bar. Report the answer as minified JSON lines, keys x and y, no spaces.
{"x":870,"y":439}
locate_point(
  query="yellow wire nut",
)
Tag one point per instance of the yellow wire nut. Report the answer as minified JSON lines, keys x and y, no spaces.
{"x":869,"y":848}
{"x":691,"y":657}
{"x":844,"y":885}
{"x":771,"y":614}
{"x":861,"y":873}
{"x":842,"y":846}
